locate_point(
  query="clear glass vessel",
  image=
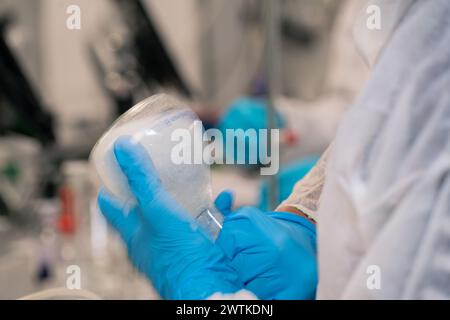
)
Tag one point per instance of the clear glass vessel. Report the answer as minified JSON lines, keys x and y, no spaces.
{"x":151,"y":123}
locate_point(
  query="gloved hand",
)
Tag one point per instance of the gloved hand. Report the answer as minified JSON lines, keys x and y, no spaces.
{"x":274,"y":253}
{"x":162,"y":239}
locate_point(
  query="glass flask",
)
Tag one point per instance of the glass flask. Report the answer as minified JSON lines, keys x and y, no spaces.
{"x":151,"y":123}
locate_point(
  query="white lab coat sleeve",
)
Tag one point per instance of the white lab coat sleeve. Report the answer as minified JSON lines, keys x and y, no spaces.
{"x":306,"y":193}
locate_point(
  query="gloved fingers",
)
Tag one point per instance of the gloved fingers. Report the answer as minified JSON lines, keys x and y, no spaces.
{"x":243,"y":250}
{"x":247,"y":230}
{"x":158,"y":207}
{"x":224,"y":202}
{"x":124,"y":220}
{"x":226,"y":241}
{"x":237,"y":235}
{"x":139,"y":170}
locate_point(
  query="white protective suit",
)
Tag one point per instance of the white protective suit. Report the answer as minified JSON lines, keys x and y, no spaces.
{"x":381,"y":192}
{"x":386,"y":198}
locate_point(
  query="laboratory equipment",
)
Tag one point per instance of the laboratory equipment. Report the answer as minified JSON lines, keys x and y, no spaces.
{"x":151,"y":123}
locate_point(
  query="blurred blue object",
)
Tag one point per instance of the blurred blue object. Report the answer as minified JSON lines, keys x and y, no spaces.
{"x":287,"y":178}
{"x":247,"y":113}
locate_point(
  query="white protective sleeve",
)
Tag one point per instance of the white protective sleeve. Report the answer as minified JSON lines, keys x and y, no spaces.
{"x":306,"y":193}
{"x":384,"y":218}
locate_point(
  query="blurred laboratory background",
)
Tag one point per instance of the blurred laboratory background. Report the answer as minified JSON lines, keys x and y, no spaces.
{"x":68,"y":69}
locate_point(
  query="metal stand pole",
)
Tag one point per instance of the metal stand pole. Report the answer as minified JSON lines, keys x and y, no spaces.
{"x":273,"y":81}
{"x":207,"y":52}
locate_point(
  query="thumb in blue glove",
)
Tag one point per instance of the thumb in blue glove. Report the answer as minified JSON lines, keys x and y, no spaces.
{"x":162,"y":239}
{"x":224,"y":202}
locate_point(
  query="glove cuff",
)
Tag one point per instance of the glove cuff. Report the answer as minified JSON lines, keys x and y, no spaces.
{"x":291,"y":217}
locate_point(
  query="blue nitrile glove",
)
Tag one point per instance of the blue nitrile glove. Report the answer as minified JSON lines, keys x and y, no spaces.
{"x":274,"y":253}
{"x":162,"y":239}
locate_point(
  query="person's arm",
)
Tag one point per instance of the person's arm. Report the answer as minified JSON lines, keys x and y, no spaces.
{"x":305,"y":197}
